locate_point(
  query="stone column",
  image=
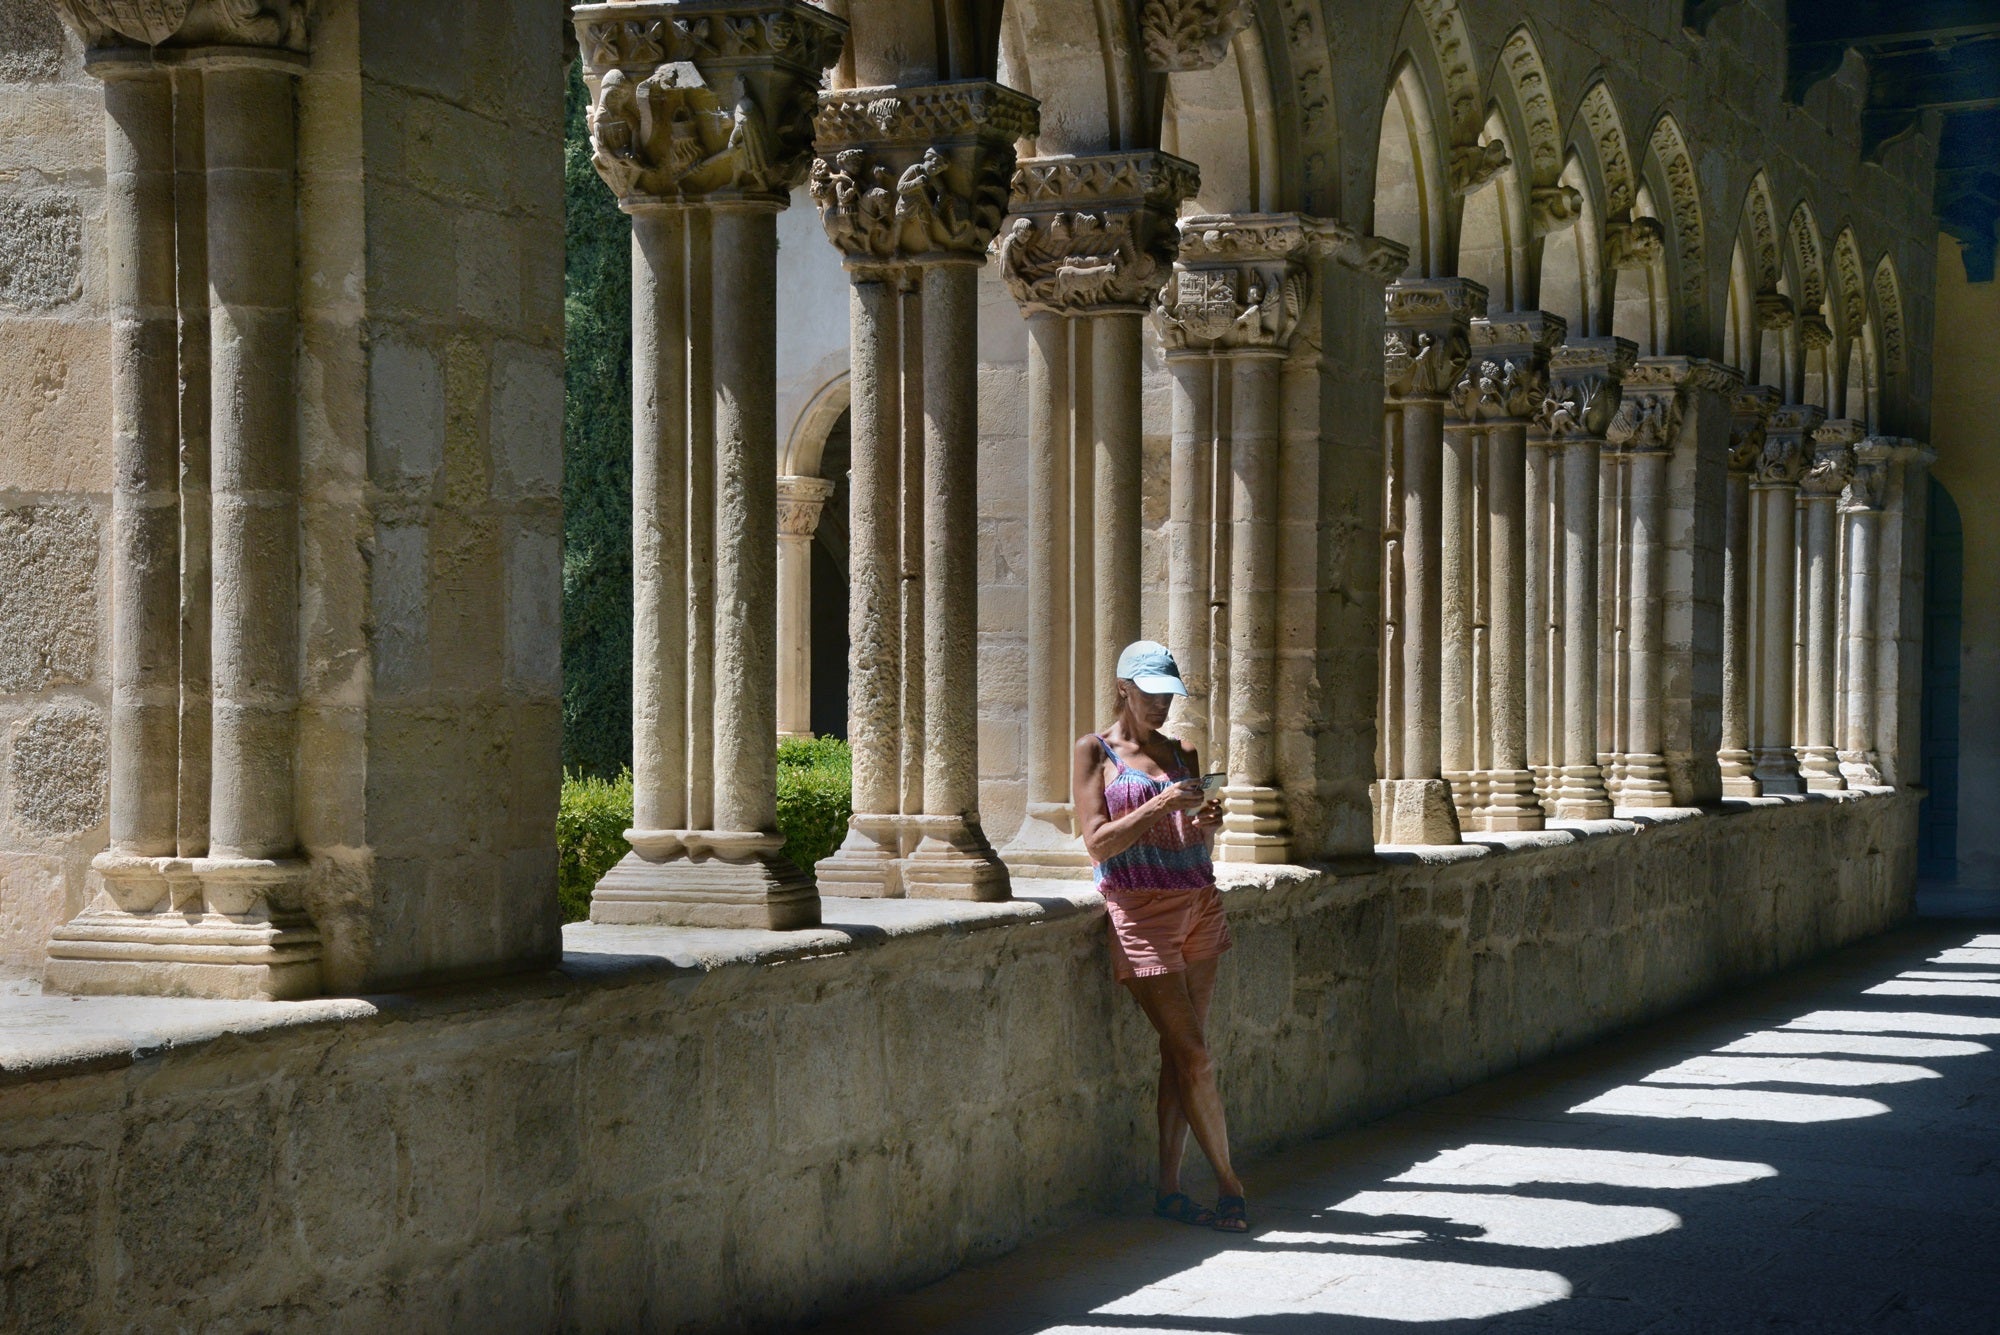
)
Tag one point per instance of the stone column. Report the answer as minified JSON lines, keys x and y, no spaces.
{"x":702,"y":143}
{"x":1484,"y":748}
{"x":191,"y":258}
{"x":1773,"y":596}
{"x":1899,"y":645}
{"x":1820,"y":491}
{"x":1227,"y":317}
{"x":1425,"y":348}
{"x":912,"y":184}
{"x":1585,"y":387}
{"x":1091,"y":241}
{"x":800,"y":500}
{"x":1749,"y":412}
{"x":1861,"y":570}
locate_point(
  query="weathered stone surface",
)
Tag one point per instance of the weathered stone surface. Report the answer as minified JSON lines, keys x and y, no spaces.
{"x":48,"y":618}
{"x":57,"y":773}
{"x":45,"y":1252}
{"x":41,"y":252}
{"x":55,"y":404}
{"x":31,"y":40}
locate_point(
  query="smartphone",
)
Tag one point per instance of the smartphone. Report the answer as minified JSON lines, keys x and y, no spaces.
{"x":1211,"y":784}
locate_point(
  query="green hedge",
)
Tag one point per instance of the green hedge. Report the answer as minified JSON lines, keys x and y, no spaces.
{"x":597,"y":463}
{"x":815,"y":780}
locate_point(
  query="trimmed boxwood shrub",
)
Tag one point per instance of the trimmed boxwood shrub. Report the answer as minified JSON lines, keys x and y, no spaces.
{"x":815,"y":781}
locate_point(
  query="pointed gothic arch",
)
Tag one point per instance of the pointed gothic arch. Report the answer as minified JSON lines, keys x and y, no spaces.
{"x":1669,"y":169}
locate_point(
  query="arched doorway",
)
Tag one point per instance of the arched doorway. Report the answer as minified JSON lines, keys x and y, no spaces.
{"x":828,"y":690}
{"x":1944,"y":567}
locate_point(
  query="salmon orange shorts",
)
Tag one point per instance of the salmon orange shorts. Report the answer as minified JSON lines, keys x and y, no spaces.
{"x":1163,"y":931}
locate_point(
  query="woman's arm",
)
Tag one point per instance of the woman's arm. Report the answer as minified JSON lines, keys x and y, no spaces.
{"x":1106,"y":838}
{"x":1209,"y":819}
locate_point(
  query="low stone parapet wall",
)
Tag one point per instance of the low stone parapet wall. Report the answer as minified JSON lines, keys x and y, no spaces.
{"x":695,"y":1130}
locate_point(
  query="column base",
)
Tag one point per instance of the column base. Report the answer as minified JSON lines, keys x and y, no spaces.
{"x":1637,"y":781}
{"x":954,"y":861}
{"x":1503,"y":799}
{"x":221,"y":928}
{"x":1579,"y":794}
{"x":1777,"y":772}
{"x":706,"y":878}
{"x":1047,"y":846}
{"x":1861,"y":769}
{"x":1547,"y":779}
{"x":869,"y":862}
{"x":1254,"y":827}
{"x":1819,"y":766}
{"x":1414,"y":811}
{"x":1739,"y":773}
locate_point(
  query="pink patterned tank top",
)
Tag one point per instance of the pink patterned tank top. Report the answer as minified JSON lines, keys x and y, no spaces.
{"x":1172,"y":855}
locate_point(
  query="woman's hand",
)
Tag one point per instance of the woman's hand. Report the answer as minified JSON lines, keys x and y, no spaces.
{"x":1210,"y":815}
{"x":1179,"y":797}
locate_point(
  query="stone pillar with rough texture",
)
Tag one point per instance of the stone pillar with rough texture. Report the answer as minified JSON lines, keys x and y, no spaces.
{"x":1227,"y":317}
{"x":1749,"y":412}
{"x":912,"y":185}
{"x":1092,"y":240}
{"x":1585,"y":385}
{"x":1484,"y":747}
{"x":1426,"y":343}
{"x":1774,"y":596}
{"x":702,"y":143}
{"x":800,"y":500}
{"x":1861,"y":578}
{"x":1820,"y":489}
{"x":1899,"y":644}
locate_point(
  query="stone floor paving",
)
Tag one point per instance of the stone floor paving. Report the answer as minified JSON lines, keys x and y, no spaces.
{"x":1820,"y":1153}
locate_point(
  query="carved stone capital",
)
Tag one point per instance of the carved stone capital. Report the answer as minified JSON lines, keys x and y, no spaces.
{"x":1829,"y":465}
{"x":1472,"y":165}
{"x":917,"y":175}
{"x":1868,"y":486}
{"x":1585,"y":388}
{"x":1093,"y":233}
{"x":1190,"y":34}
{"x":1428,"y":334}
{"x":1774,"y":312}
{"x":1749,"y":410}
{"x":1914,"y":452}
{"x":1814,"y":332}
{"x":800,"y":500}
{"x":1554,"y":207}
{"x":1787,"y":437}
{"x":1657,"y":390}
{"x":696,"y":101}
{"x":1242,"y":281}
{"x":1634,"y":243}
{"x":280,"y":25}
{"x":1507,"y":367}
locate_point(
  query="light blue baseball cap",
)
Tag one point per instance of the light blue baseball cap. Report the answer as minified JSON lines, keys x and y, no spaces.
{"x":1148,"y":665}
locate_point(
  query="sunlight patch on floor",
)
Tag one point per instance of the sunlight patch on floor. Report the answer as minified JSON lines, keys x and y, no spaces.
{"x":1859,"y":1045}
{"x":1741,"y":1105}
{"x":1240,"y":1285}
{"x":1906,"y":1022}
{"x":1518,"y":1221}
{"x":1898,"y":987}
{"x":1516,"y":1165}
{"x":1967,"y":955}
{"x":1713,"y":1070}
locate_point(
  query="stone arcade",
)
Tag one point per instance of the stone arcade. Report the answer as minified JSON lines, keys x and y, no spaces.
{"x":1528,"y":467}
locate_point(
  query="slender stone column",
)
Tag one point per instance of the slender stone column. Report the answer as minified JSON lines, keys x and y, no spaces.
{"x":1749,"y":412}
{"x":1861,"y":569}
{"x":1227,"y":317}
{"x":191,"y":259}
{"x":1190,"y":576}
{"x":1820,"y":491}
{"x":800,"y":500}
{"x":1485,"y":606}
{"x":912,"y":185}
{"x":703,"y":164}
{"x":1899,"y":643}
{"x":1585,"y":387}
{"x":1091,"y":241}
{"x":1773,"y":596}
{"x":1425,"y":348}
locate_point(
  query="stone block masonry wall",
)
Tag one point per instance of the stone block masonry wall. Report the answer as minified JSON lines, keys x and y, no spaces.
{"x":739,"y":1130}
{"x":55,"y":480}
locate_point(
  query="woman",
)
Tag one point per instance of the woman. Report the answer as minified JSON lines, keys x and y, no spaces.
{"x":1147,"y":825}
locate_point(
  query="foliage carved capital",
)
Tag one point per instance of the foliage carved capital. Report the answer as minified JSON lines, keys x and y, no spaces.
{"x":1183,"y":35}
{"x":1586,"y":386}
{"x":1507,"y":367}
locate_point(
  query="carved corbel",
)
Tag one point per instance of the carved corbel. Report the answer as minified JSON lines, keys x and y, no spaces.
{"x":1749,"y":412}
{"x":1814,"y":332}
{"x":1093,"y":233}
{"x":1473,"y":165}
{"x":1634,"y":243}
{"x":1554,"y":207}
{"x":1180,"y":35}
{"x":1774,"y":312}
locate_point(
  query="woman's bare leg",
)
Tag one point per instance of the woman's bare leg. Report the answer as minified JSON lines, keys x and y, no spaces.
{"x":1169,"y":1004}
{"x":1173,"y":1123}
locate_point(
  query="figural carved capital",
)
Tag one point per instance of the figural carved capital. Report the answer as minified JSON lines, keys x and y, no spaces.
{"x":1242,"y":281}
{"x":917,"y":175}
{"x":800,"y":500}
{"x":1554,"y":207}
{"x":1428,"y":334}
{"x":1586,"y":385}
{"x":697,"y":101}
{"x":279,"y":25}
{"x":1868,"y":486}
{"x":1657,"y":390}
{"x":1507,"y":367}
{"x":1634,"y":243}
{"x":1787,"y":436}
{"x":1472,"y":165}
{"x":1750,"y":410}
{"x":1182,"y":35}
{"x":1093,"y":233}
{"x":1829,"y":466}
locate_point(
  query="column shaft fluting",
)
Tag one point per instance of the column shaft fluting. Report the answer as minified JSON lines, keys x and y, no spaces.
{"x":253,"y":320}
{"x":145,"y":524}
